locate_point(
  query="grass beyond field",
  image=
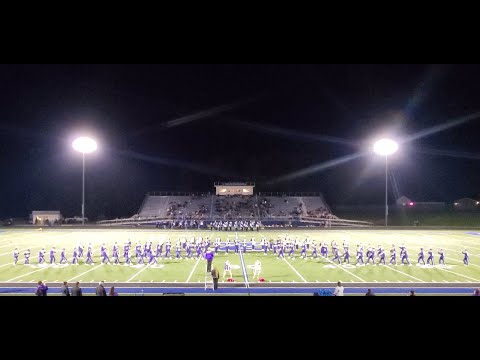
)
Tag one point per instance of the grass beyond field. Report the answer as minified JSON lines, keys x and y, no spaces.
{"x":274,"y":270}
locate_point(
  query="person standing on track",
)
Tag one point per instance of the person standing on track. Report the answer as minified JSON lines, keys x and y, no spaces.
{"x":76,"y":290}
{"x":338,"y":290}
{"x":215,"y":276}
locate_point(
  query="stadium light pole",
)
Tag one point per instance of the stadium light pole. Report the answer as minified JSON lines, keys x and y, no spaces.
{"x":385,"y":147}
{"x":85,"y":145}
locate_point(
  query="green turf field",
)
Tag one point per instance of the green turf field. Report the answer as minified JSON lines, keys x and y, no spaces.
{"x":288,"y":270}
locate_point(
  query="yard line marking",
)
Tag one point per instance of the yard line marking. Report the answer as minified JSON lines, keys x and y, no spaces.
{"x":300,"y":276}
{"x":84,"y":272}
{"x":191,"y":272}
{"x":404,"y":273}
{"x":465,"y":276}
{"x":11,"y":262}
{"x":460,"y":261}
{"x":461,"y":245}
{"x":244,"y":270}
{"x":31,"y":272}
{"x":359,"y":278}
{"x":433,"y":244}
{"x":445,"y":281}
{"x":466,"y":238}
{"x":17,"y":245}
{"x":143,"y":269}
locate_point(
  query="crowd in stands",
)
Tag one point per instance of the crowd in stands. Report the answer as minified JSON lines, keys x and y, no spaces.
{"x":179,"y":210}
{"x":234,"y":206}
{"x":321,"y":213}
{"x":188,"y":211}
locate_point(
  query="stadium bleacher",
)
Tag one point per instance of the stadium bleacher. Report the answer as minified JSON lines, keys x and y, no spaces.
{"x":187,"y":210}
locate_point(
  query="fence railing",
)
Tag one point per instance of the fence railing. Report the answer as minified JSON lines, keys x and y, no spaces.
{"x":305,"y":219}
{"x":177,"y":193}
{"x":292,"y":194}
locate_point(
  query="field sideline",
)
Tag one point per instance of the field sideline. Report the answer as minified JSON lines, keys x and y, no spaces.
{"x":288,"y":272}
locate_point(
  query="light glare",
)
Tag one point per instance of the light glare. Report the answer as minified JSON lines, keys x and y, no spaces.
{"x":84,"y":145}
{"x":385,"y":147}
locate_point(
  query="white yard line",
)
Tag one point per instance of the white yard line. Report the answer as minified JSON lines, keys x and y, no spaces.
{"x":20,"y":251}
{"x":465,"y":276}
{"x":86,"y":272}
{"x":31,"y":272}
{"x":191,"y":272}
{"x":460,"y":261}
{"x":457,"y":251}
{"x":433,"y":242}
{"x":300,"y":276}
{"x":134,"y":276}
{"x":401,"y":272}
{"x":20,"y":262}
{"x":359,"y":278}
{"x":454,"y":243}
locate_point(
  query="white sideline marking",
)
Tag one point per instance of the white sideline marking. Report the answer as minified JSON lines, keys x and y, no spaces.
{"x":465,"y":276}
{"x":191,"y":272}
{"x":84,"y":273}
{"x":301,"y":277}
{"x":401,"y":272}
{"x":31,"y":272}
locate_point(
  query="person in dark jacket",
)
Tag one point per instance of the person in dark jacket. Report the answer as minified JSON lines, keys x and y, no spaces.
{"x":100,"y":290}
{"x":112,"y":292}
{"x":369,"y":293}
{"x":65,"y":290}
{"x":215,"y":276}
{"x":42,"y":289}
{"x":76,"y":290}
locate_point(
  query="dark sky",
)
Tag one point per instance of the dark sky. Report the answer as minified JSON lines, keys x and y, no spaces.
{"x":182,"y":127}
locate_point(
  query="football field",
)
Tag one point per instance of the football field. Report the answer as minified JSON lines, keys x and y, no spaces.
{"x":276,"y":272}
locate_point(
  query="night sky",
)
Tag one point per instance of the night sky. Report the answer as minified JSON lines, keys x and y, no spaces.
{"x":182,"y":127}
